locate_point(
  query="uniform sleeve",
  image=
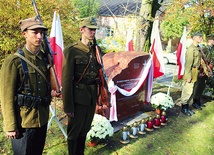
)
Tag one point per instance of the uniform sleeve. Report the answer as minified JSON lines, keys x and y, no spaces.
{"x":188,"y":63}
{"x":8,"y":89}
{"x":67,"y":81}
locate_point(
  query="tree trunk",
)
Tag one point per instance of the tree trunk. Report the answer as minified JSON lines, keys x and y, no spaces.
{"x":144,"y":24}
{"x":169,"y":46}
{"x":147,"y":14}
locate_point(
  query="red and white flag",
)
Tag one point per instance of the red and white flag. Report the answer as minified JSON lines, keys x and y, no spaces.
{"x":129,"y":41}
{"x":157,"y":68}
{"x":180,"y":54}
{"x":57,"y":45}
{"x":156,"y":51}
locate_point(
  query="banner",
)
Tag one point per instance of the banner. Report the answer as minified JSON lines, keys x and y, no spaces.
{"x":57,"y":45}
{"x":156,"y":51}
{"x":180,"y":54}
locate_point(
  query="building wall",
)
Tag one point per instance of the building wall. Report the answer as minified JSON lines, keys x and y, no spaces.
{"x":115,"y":26}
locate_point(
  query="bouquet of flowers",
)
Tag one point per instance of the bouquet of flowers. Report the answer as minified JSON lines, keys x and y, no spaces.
{"x":161,"y":101}
{"x":100,"y":128}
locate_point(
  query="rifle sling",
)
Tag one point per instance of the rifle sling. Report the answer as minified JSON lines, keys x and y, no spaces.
{"x":90,"y":57}
{"x":32,"y":65}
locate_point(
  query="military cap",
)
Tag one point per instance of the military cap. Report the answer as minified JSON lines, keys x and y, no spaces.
{"x":196,"y":34}
{"x":30,"y":24}
{"x":210,"y":37}
{"x":89,"y":22}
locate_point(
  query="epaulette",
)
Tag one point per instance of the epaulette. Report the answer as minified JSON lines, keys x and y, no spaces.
{"x":71,"y":45}
{"x":13,"y":56}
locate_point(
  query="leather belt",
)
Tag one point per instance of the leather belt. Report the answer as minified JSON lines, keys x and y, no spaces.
{"x":88,"y":82}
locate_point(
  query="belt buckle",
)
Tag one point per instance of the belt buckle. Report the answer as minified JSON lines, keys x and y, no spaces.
{"x":20,"y":98}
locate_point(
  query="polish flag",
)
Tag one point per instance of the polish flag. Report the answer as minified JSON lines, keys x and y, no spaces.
{"x":129,"y":41}
{"x":157,"y":68}
{"x":156,"y":51}
{"x":57,"y":45}
{"x":180,"y":54}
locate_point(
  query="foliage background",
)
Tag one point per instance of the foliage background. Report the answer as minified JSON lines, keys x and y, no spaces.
{"x":87,"y":7}
{"x":197,"y":15}
{"x":12,"y":11}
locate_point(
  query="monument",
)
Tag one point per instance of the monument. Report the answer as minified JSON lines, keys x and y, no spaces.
{"x":128,"y":71}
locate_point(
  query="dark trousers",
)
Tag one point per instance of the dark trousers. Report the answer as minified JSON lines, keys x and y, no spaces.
{"x":30,"y":142}
{"x":78,"y":128}
{"x":199,"y":87}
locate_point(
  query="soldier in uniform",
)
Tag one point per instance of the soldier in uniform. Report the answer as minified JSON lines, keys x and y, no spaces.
{"x":25,"y":93}
{"x":205,"y":74}
{"x":192,"y":63}
{"x":209,"y":49}
{"x":79,"y":81}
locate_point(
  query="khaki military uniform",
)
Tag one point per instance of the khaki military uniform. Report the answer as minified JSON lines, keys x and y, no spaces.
{"x":192,"y":63}
{"x":79,"y":96}
{"x":12,"y":77}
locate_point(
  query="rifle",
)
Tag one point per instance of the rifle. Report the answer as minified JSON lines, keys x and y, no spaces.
{"x":209,"y":66}
{"x":46,"y":46}
{"x":103,"y":93}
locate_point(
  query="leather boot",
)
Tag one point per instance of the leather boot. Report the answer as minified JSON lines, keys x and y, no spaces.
{"x":80,"y":145}
{"x":71,"y":147}
{"x":191,"y":111}
{"x":185,"y":110}
{"x":196,"y":103}
{"x":202,"y":105}
{"x":199,"y":103}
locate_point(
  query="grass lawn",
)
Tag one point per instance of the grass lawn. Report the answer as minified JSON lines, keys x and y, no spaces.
{"x":183,"y":135}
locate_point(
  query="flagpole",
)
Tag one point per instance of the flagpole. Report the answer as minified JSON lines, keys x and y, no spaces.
{"x":54,"y":117}
{"x":173,"y":77}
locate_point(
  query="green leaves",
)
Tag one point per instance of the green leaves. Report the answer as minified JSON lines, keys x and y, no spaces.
{"x":193,"y":15}
{"x":12,"y":11}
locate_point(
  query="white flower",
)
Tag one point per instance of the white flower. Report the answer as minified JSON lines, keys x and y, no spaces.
{"x":162,"y":101}
{"x":100,"y":128}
